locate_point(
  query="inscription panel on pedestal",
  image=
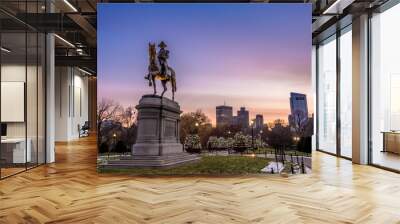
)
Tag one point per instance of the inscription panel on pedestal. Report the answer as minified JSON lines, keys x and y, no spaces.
{"x":147,"y":128}
{"x":170,"y":128}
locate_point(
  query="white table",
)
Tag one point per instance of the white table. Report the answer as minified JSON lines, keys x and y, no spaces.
{"x":19,"y":154}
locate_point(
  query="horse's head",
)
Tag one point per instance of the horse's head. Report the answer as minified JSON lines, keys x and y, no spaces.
{"x":152,"y":51}
{"x":152,"y":57}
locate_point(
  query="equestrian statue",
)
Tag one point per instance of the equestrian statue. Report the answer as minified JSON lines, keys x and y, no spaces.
{"x":159,"y":70}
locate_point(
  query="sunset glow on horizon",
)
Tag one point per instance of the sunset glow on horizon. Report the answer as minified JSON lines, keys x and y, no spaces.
{"x":243,"y":55}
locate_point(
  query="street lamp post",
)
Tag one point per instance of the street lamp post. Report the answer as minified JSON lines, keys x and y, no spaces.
{"x":252,"y":134}
{"x":114,"y":138}
{"x":196,"y":129}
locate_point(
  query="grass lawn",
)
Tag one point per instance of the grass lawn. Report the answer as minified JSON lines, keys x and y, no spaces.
{"x":208,"y":165}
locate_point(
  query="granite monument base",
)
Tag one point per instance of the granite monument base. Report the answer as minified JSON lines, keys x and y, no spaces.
{"x":157,"y":143}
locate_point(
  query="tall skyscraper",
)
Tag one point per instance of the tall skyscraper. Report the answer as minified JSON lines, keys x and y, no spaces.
{"x":235,"y":120}
{"x":298,"y":109}
{"x":243,"y":117}
{"x":259,"y":122}
{"x":224,"y":115}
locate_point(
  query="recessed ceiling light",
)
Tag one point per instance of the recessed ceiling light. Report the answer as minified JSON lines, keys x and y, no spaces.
{"x":64,"y":40}
{"x":337,"y":7}
{"x":5,"y":50}
{"x":70,"y":5}
{"x":84,"y":71}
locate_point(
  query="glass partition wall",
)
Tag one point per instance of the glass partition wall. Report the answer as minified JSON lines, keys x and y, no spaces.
{"x":22,"y":98}
{"x":345,"y":91}
{"x":327,"y":95}
{"x":385,"y":89}
{"x":334,"y":89}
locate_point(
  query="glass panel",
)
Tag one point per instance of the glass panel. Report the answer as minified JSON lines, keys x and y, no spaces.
{"x":13,"y":89}
{"x":385,"y":84}
{"x":327,"y":95}
{"x":346,"y":93}
{"x":31,"y":98}
{"x":23,"y":90}
{"x":41,"y":98}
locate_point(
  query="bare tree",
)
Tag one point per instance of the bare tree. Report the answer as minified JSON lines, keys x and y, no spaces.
{"x":106,"y":110}
{"x":280,"y":136}
{"x":128,"y":117}
{"x":278,"y":123}
{"x":299,"y":122}
{"x":195,"y":123}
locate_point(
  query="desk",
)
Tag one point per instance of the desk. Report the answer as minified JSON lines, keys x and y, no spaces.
{"x":391,"y":141}
{"x":13,"y":150}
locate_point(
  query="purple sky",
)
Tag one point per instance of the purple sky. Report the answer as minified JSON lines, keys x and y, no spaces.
{"x":250,"y":55}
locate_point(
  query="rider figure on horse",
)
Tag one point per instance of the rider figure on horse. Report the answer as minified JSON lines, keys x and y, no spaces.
{"x":163,"y":55}
{"x":160,"y":71}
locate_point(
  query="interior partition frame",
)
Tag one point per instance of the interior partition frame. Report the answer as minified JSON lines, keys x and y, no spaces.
{"x":339,"y":32}
{"x":28,"y":29}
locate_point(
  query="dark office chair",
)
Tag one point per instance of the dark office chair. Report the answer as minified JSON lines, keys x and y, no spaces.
{"x":84,"y":130}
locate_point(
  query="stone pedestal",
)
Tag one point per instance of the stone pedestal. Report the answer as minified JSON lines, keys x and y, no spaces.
{"x":157,"y":142}
{"x":158,"y":127}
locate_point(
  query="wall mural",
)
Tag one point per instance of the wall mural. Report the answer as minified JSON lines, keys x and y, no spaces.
{"x":204,"y":89}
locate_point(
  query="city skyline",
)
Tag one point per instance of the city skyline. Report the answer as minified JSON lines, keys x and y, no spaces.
{"x":253,"y":115}
{"x":220,"y":52}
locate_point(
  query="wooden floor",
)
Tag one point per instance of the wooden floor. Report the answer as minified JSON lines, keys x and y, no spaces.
{"x":386,"y":159}
{"x":70,"y":191}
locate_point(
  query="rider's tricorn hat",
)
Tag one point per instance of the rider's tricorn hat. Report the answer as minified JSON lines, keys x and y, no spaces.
{"x":162,"y":44}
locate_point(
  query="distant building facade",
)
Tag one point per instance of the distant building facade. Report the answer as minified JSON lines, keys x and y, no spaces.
{"x":298,"y":110}
{"x":224,"y":115}
{"x":259,"y":122}
{"x":243,"y":117}
{"x":235,"y":120}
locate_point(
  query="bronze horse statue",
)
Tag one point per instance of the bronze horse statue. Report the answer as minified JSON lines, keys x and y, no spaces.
{"x":155,"y":73}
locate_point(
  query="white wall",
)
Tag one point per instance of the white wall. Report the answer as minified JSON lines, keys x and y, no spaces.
{"x":71,"y":102}
{"x":33,"y":126}
{"x":12,"y":73}
{"x":17,"y":73}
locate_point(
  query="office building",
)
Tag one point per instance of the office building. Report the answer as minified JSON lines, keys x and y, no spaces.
{"x":298,"y":110}
{"x":235,"y":121}
{"x":259,"y":122}
{"x":224,"y":115}
{"x":243,"y":118}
